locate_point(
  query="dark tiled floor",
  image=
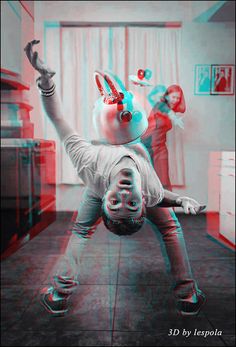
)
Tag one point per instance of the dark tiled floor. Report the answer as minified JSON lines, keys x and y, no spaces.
{"x":125,"y":296}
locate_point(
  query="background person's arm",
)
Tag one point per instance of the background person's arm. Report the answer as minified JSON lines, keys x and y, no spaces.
{"x":155,"y":91}
{"x":167,"y":112}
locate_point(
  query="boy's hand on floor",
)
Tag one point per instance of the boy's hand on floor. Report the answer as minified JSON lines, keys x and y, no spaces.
{"x":190,"y":206}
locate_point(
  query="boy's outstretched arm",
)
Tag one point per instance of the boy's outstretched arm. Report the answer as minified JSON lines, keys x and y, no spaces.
{"x":53,"y":109}
{"x":189,"y":205}
{"x":51,"y":103}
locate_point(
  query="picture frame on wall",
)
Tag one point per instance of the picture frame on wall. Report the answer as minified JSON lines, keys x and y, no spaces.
{"x":202,"y":79}
{"x":222,"y":79}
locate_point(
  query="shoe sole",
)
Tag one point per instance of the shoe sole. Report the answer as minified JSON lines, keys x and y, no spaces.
{"x":183,"y":313}
{"x":61,"y":313}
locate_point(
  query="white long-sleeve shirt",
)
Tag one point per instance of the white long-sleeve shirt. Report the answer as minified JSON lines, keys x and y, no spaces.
{"x":94,"y":164}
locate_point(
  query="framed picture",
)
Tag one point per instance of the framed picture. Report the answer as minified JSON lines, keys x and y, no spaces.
{"x":202,"y":79}
{"x":222,"y":79}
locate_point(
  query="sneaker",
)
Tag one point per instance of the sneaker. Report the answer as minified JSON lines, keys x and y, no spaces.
{"x":54,"y":307}
{"x":187,"y":308}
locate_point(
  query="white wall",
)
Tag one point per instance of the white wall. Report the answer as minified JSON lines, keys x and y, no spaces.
{"x":209,"y":123}
{"x":122,"y":11}
{"x":11,"y":37}
{"x":210,"y":120}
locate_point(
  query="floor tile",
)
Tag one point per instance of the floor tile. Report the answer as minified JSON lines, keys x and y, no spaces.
{"x":214,"y":272}
{"x":44,"y":246}
{"x":14,"y":301}
{"x":56,"y":338}
{"x":16,"y":337}
{"x":99,"y":270}
{"x":200,"y":246}
{"x":110,"y":249}
{"x":125,"y":286}
{"x":153,"y":339}
{"x":137,"y":270}
{"x":90,"y":308}
{"x":229,"y":340}
{"x":192,"y":222}
{"x":27,"y":269}
{"x":150,"y":308}
{"x":140,"y":248}
{"x":220,"y":308}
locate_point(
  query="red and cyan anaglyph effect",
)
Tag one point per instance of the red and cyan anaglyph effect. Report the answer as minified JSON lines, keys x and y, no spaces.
{"x":28,"y":190}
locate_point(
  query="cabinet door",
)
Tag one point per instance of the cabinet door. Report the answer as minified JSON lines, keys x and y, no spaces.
{"x":227,"y":226}
{"x":26,"y":191}
{"x":227,"y":190}
{"x":44,"y":163}
{"x":10,"y":213}
{"x":227,"y":197}
{"x":228,"y":159}
{"x":213,"y":204}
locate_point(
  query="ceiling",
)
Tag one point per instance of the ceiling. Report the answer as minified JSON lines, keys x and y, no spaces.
{"x":220,"y":11}
{"x":225,"y":14}
{"x":138,"y":11}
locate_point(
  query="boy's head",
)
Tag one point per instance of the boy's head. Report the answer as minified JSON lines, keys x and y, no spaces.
{"x":124,"y":226}
{"x":123,"y":208}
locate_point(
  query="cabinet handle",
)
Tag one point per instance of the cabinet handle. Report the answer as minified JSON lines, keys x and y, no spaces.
{"x":229,"y":213}
{"x":222,"y":159}
{"x":232,"y":175}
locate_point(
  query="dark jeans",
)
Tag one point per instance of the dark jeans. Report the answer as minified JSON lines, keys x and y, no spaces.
{"x":67,"y":270}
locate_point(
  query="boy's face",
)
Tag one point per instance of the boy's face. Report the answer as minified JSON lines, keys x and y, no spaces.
{"x":124,"y":198}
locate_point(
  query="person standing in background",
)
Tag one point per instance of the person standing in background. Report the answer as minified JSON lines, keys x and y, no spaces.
{"x":160,"y":121}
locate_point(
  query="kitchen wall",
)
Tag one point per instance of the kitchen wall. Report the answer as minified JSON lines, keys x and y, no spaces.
{"x":209,"y":121}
